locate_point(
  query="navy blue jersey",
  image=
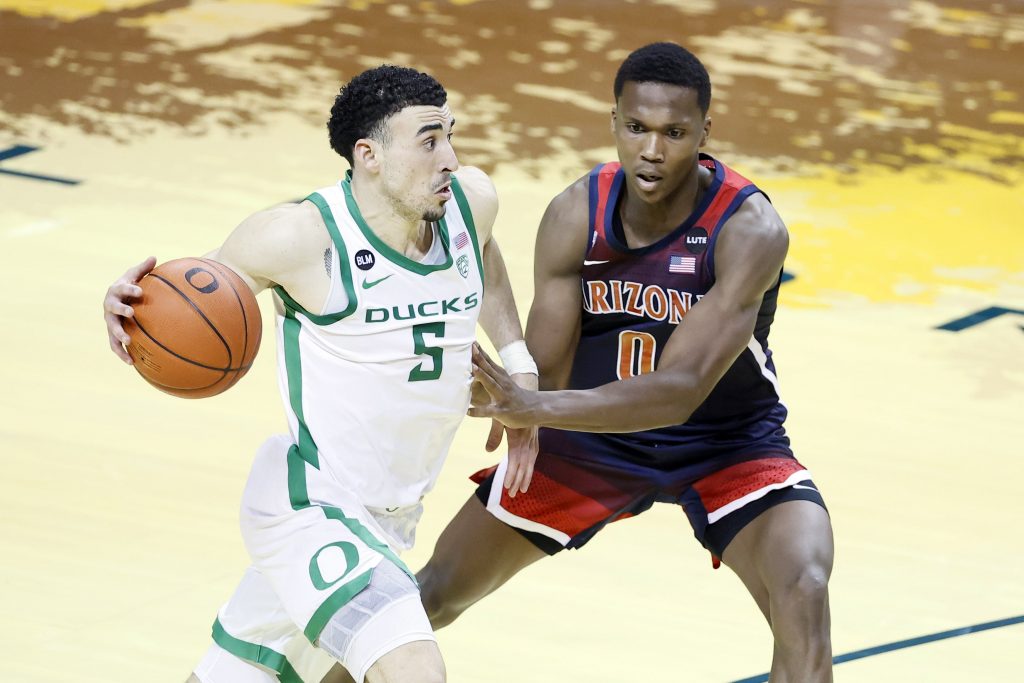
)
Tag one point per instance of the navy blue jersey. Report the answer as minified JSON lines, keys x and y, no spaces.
{"x":633,"y":299}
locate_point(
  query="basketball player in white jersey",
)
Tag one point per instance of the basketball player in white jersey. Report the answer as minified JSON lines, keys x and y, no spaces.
{"x":378,"y":282}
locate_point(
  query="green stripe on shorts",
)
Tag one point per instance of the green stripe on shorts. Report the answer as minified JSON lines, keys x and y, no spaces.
{"x":261,"y":654}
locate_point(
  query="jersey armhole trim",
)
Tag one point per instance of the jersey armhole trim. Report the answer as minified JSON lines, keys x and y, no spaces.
{"x":343,"y":267}
{"x":467,"y":218}
{"x":734,"y":204}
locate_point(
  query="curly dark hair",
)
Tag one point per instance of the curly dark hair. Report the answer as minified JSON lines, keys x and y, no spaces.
{"x":366,"y":102}
{"x":666,"y":63}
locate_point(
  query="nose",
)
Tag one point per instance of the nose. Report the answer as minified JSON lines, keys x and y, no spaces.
{"x":449,"y":161}
{"x":652,"y":150}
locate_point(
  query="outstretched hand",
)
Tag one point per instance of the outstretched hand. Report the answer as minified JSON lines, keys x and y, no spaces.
{"x":522,"y":445}
{"x":495,"y":394}
{"x":522,"y":440}
{"x":115,"y":306}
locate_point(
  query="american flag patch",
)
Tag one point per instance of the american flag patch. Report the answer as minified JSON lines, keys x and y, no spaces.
{"x":461,"y":240}
{"x":682,"y":264}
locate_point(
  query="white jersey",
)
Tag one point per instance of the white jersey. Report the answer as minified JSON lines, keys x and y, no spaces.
{"x":376,"y":383}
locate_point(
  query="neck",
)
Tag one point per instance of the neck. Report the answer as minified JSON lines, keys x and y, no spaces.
{"x":646,"y":223}
{"x":407,"y":234}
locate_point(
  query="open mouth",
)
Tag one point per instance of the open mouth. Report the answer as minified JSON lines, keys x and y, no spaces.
{"x":445,"y":191}
{"x":647,"y":181}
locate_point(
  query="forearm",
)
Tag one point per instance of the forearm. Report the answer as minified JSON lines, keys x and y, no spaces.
{"x":632,"y":405}
{"x":499,"y":316}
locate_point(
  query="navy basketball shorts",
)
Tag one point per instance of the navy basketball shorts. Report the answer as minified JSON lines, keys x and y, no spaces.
{"x":582,"y":482}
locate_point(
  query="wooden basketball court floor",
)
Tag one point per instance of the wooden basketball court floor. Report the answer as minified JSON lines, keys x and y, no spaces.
{"x":889,"y":134}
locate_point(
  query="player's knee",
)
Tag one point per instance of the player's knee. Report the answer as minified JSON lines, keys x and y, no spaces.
{"x":417,"y":662}
{"x":436,"y":593}
{"x":810,"y":585}
{"x":433,"y":672}
{"x":800,"y":604}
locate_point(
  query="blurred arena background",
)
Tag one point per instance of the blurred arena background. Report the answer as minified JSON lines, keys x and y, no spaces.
{"x":889,"y":134}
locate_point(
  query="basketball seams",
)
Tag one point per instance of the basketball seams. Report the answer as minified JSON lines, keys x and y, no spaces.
{"x":227,"y":346}
{"x":189,"y":360}
{"x":173,"y":317}
{"x":230,"y":278}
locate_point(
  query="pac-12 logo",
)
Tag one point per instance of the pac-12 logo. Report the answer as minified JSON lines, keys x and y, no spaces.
{"x":697,"y":240}
{"x":463,"y":264}
{"x":364,"y":259}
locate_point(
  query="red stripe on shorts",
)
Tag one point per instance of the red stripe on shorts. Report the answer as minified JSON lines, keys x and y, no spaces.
{"x":555,"y":505}
{"x":732,"y":483}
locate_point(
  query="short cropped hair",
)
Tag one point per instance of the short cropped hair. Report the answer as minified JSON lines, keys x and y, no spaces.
{"x":366,"y":102}
{"x":666,"y":63}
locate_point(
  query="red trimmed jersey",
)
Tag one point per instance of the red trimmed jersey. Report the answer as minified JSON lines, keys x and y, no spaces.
{"x":633,"y":299}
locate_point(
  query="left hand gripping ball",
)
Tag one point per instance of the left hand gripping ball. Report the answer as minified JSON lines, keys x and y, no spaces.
{"x":196,"y":328}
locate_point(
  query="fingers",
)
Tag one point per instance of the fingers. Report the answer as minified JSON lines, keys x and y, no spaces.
{"x":494,"y":438}
{"x":486,"y":410}
{"x":484,"y":362}
{"x":115,"y":306}
{"x":488,"y":383}
{"x":522,"y":454}
{"x":137,"y":272}
{"x":519,"y":473}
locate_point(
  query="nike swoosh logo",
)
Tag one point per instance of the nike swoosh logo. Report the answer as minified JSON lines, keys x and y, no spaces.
{"x":373,"y":283}
{"x":593,"y":263}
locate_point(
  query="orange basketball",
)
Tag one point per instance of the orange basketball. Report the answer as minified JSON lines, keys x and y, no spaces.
{"x":196,"y":328}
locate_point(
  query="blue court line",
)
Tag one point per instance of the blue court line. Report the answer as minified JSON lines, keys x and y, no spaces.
{"x":35,"y":176}
{"x":901,"y":644}
{"x":977,"y":318}
{"x":20,"y":150}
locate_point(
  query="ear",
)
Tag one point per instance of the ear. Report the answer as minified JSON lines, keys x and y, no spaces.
{"x":707,"y":131}
{"x":613,"y":121}
{"x":366,"y":154}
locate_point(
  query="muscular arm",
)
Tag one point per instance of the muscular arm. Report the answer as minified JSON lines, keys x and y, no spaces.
{"x":499,"y":319}
{"x":275,"y":246}
{"x":749,"y":255}
{"x":553,"y":328}
{"x":499,"y":316}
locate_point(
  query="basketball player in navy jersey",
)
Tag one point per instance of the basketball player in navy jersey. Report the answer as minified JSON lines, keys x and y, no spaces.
{"x":656,"y":280}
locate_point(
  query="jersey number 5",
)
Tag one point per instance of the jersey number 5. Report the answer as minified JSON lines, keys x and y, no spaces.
{"x":420,"y":348}
{"x":636,"y":353}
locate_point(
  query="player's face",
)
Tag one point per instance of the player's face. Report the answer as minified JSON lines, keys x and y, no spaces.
{"x":418,"y":162}
{"x":658,"y":130}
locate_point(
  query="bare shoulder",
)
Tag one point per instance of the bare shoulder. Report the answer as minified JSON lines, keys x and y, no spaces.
{"x":562,"y":236}
{"x":753,"y":245}
{"x":482,"y":198}
{"x":757,"y":220}
{"x":475,"y":183}
{"x":273,"y":243}
{"x":574,"y":200}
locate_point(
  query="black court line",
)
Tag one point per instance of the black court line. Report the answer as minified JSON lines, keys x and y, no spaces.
{"x":902,"y":644}
{"x":20,"y":150}
{"x":977,"y":318}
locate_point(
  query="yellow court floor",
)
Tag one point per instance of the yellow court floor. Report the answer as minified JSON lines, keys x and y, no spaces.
{"x":890,"y":135}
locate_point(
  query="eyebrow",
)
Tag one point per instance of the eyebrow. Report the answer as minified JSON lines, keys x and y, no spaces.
{"x":433,"y":126}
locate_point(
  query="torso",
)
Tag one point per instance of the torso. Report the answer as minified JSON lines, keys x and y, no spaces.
{"x":634,"y":298}
{"x":376,"y":380}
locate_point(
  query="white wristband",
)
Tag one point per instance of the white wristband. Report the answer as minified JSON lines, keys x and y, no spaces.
{"x":517,"y":359}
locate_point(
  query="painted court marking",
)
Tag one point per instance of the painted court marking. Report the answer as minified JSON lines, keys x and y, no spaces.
{"x":910,"y":642}
{"x":977,"y":318}
{"x":21,"y":150}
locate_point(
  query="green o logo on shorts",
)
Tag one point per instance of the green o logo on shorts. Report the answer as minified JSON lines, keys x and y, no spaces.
{"x":351,"y":556}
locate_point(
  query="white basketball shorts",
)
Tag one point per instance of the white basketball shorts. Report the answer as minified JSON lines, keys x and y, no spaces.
{"x":309,"y":563}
